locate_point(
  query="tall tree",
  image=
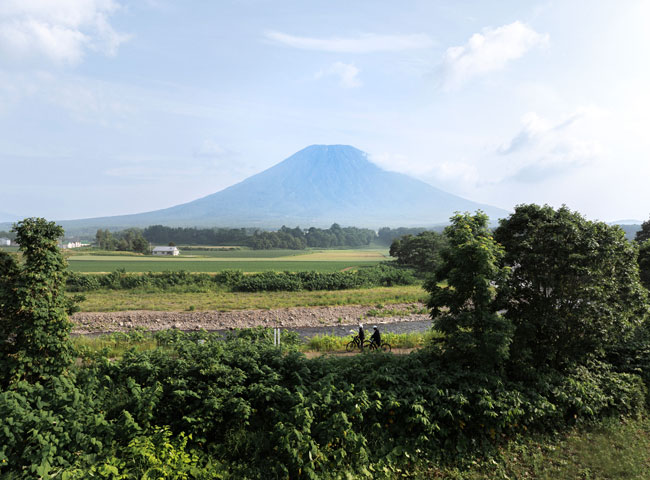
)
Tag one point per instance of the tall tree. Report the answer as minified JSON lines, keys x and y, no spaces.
{"x":475,"y":335}
{"x":643,"y":234}
{"x":644,"y":263}
{"x":574,"y":288}
{"x":34,"y":325}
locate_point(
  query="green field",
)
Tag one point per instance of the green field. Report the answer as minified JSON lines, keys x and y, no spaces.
{"x":240,"y":253}
{"x":210,"y":261}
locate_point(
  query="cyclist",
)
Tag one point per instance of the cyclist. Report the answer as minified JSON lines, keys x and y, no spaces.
{"x":362,"y":335}
{"x":376,"y":337}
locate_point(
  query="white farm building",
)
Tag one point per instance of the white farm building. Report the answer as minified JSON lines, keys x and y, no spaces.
{"x":165,"y":251}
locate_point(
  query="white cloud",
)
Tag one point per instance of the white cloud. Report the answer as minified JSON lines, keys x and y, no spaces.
{"x":396,"y":162}
{"x":60,"y":31}
{"x":543,"y":148}
{"x":488,"y":51}
{"x":450,"y":174}
{"x":347,"y":74}
{"x":365,"y":43}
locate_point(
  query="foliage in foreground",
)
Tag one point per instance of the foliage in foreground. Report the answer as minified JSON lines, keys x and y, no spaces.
{"x":251,"y":411}
{"x":33,"y":308}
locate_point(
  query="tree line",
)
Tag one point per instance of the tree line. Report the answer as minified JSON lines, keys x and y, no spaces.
{"x":10,"y":235}
{"x":129,"y":240}
{"x":288,"y":238}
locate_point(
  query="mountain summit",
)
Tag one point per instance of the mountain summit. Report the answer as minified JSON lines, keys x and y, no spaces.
{"x":316,"y":186}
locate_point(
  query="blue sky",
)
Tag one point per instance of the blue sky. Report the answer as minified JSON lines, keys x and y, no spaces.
{"x":110,"y":107}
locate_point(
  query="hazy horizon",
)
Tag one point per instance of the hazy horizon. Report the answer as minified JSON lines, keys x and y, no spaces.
{"x":111,"y":107}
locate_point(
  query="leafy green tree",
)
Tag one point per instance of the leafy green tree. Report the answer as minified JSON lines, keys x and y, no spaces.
{"x":421,"y":251}
{"x":643,"y":234}
{"x":475,"y":334}
{"x":574,"y":289}
{"x":644,"y":263}
{"x":34,"y":324}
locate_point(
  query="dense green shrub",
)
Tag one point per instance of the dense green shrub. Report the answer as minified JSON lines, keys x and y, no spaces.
{"x":120,"y":280}
{"x":270,"y":282}
{"x":242,"y":408}
{"x":290,"y":416}
{"x":45,"y":427}
{"x":380,"y":275}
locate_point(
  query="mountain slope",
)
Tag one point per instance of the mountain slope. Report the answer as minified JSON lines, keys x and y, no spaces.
{"x":317,"y":186}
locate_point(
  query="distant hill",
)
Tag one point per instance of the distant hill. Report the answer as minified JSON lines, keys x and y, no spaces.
{"x":316,"y":186}
{"x":629,"y":229}
{"x":8,"y":217}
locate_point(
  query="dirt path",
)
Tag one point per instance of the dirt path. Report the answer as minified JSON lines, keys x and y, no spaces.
{"x":85,"y":322}
{"x":395,"y":351}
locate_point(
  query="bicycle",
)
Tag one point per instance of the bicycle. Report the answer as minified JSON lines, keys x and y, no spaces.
{"x":355,"y":344}
{"x":373,"y":347}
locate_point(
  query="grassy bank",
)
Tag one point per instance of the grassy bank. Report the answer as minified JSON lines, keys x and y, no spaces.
{"x":333,"y":343}
{"x":120,"y":300}
{"x":614,"y":449}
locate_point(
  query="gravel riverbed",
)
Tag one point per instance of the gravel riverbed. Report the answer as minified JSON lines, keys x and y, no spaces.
{"x":338,"y":319}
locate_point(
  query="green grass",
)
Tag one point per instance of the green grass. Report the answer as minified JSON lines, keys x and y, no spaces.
{"x":171,"y":300}
{"x":115,"y":345}
{"x":333,"y":343}
{"x":241,"y":253}
{"x":613,"y":450}
{"x":214,"y":260}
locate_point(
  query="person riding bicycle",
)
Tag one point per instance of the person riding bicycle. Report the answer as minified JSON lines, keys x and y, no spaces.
{"x":375,"y":338}
{"x":362,"y":335}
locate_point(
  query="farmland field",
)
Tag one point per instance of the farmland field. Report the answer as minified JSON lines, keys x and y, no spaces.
{"x":245,"y":260}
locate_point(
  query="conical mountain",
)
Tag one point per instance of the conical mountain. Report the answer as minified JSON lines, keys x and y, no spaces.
{"x":316,"y":186}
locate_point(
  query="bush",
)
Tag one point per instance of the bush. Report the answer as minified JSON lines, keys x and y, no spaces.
{"x":380,"y":275}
